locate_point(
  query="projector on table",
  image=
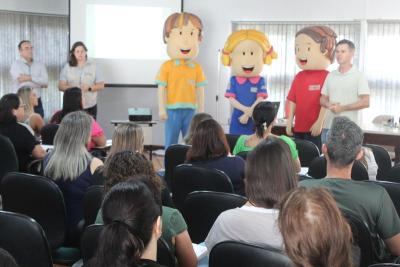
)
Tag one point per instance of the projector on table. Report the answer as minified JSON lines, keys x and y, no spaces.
{"x":139,"y":114}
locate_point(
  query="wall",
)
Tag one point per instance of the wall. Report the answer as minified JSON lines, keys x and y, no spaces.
{"x":59,"y":7}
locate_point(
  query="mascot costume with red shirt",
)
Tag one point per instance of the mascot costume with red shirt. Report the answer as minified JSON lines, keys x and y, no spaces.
{"x":315,"y":50}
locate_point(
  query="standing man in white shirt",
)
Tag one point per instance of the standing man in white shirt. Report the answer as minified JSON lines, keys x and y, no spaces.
{"x":27,"y":72}
{"x":345,"y":91}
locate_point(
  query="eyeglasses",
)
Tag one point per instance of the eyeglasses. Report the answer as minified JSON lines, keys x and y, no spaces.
{"x":22,"y":105}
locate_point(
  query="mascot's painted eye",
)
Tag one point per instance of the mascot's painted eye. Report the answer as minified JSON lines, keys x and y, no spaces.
{"x":244,"y":53}
{"x":180,"y":33}
{"x":191,"y":33}
{"x":308,"y":49}
{"x":251,"y":53}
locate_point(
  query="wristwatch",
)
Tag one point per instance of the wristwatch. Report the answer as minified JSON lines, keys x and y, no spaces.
{"x":90,"y":89}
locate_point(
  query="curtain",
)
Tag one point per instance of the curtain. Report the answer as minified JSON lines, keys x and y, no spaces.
{"x":381,"y":59}
{"x":279,"y":75}
{"x":49,"y":37}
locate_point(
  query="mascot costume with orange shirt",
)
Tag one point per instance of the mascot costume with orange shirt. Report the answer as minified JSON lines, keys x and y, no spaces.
{"x":180,"y":80}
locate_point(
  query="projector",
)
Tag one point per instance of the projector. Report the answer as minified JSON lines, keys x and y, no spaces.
{"x":139,"y":114}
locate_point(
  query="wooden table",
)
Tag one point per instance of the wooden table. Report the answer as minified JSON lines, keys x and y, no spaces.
{"x":373,"y":134}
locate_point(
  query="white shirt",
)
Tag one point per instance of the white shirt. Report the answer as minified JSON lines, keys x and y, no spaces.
{"x":345,"y":88}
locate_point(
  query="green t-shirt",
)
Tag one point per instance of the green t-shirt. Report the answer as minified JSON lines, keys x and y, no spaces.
{"x":370,"y":201}
{"x":241,"y":145}
{"x":172,"y":224}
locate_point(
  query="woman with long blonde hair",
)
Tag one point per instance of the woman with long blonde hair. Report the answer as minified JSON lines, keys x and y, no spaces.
{"x":30,"y":100}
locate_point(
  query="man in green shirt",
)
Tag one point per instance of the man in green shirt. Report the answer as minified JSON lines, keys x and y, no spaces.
{"x":369,"y":201}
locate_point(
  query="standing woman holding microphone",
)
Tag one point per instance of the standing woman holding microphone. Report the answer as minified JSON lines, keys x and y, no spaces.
{"x":83,"y":73}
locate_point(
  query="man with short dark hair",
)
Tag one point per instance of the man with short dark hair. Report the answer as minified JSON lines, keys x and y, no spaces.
{"x":369,"y":201}
{"x":345,"y":90}
{"x":27,"y":72}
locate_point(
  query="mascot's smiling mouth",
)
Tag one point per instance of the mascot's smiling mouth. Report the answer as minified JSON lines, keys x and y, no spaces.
{"x":185,"y":51}
{"x":248,"y":69}
{"x":303,"y":61}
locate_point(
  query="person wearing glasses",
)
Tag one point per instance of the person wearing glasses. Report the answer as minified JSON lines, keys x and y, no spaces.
{"x":29,"y":73}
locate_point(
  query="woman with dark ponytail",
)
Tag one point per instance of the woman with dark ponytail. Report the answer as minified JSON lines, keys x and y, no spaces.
{"x":132,"y":226}
{"x":264,"y":116}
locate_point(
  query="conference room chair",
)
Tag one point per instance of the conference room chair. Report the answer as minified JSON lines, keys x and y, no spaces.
{"x":201,"y":209}
{"x":92,"y":203}
{"x":232,"y":139}
{"x":362,"y":238}
{"x":40,"y":198}
{"x":90,"y":238}
{"x":393,"y":190}
{"x":48,"y":132}
{"x":307,"y":151}
{"x":8,"y":157}
{"x":317,"y":169}
{"x":188,"y":178}
{"x":382,"y":159}
{"x":394,"y":174}
{"x":236,"y":254}
{"x":24,"y":239}
{"x":174,"y":156}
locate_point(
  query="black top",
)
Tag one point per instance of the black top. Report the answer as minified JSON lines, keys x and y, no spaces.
{"x":149,"y":263}
{"x":23,"y":140}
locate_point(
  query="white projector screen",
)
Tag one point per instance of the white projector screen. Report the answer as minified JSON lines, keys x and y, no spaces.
{"x":123,"y":36}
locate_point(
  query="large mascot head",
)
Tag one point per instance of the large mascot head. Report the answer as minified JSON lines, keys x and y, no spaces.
{"x":315,"y":47}
{"x":182,"y":34}
{"x":246,"y":51}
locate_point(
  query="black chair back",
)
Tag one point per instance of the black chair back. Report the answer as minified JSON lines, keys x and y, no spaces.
{"x":39,"y":198}
{"x":307,"y":151}
{"x":174,"y":156}
{"x":235,"y":254}
{"x":202,"y":208}
{"x":91,"y":237}
{"x":317,"y":170}
{"x":382,"y":159}
{"x":48,"y":132}
{"x":189,"y":178}
{"x":92,"y":203}
{"x":24,"y":239}
{"x":393,"y":174}
{"x":361,"y":237}
{"x":393,"y":190}
{"x":8,"y":157}
{"x":232,"y":139}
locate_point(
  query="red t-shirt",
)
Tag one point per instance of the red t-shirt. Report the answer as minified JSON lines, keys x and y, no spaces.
{"x":306,"y":92}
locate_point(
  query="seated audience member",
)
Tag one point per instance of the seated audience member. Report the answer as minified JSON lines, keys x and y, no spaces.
{"x":270,"y":175}
{"x":314,"y":232}
{"x":125,"y":164}
{"x":71,"y":166}
{"x":210,"y":150}
{"x":127,"y":137}
{"x":132,"y":226}
{"x":264,"y":116}
{"x":368,"y":160}
{"x":72,"y":101}
{"x":25,"y":144}
{"x":30,"y":100}
{"x":130,"y":137}
{"x":197,"y":118}
{"x":369,"y":201}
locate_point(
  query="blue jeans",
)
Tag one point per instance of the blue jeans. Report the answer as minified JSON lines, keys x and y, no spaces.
{"x":178,"y":121}
{"x":324,"y":135}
